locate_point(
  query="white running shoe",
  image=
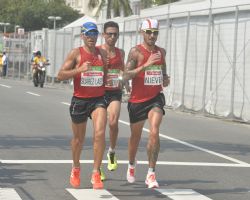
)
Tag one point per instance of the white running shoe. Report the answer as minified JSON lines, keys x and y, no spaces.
{"x":151,"y":181}
{"x":131,"y":174}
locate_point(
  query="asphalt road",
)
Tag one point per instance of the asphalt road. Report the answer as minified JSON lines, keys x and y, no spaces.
{"x":200,"y":159}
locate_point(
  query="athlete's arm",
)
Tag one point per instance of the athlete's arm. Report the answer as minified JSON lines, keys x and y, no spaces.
{"x":166,"y":78}
{"x":125,"y":83}
{"x":104,"y":60}
{"x":68,"y":69}
{"x":130,"y":69}
{"x":123,"y":57}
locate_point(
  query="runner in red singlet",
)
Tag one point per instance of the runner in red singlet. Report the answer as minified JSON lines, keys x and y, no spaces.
{"x":146,"y":67}
{"x":114,"y":60}
{"x":85,"y":65}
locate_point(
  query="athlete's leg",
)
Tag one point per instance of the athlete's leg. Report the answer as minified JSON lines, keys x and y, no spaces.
{"x":134,"y":140}
{"x":99,"y":118}
{"x":77,"y":141}
{"x":113,"y":117}
{"x":153,"y":146}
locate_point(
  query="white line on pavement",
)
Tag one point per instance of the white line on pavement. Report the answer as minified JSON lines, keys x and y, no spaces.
{"x":205,"y":164}
{"x":8,"y":193}
{"x":33,"y":94}
{"x":65,"y":103}
{"x":191,"y":145}
{"x":182,"y":194}
{"x":90,"y":194}
{"x":195,"y":147}
{"x":7,"y":86}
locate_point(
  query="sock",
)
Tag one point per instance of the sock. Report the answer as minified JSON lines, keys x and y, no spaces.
{"x":73,"y":166}
{"x":151,"y":170}
{"x":111,"y":150}
{"x":131,"y":165}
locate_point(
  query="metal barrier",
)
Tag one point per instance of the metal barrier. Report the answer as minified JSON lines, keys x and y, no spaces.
{"x":206,"y":57}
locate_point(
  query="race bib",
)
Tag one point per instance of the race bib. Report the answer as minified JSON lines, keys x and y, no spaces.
{"x":153,"y":75}
{"x":112,"y":78}
{"x":93,"y":78}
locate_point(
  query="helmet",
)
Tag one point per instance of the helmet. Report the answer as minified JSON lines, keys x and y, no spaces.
{"x":38,"y":53}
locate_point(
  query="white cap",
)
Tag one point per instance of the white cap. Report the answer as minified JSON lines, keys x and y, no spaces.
{"x":150,"y":24}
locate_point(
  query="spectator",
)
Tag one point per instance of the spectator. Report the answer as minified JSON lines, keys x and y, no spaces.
{"x":5,"y":64}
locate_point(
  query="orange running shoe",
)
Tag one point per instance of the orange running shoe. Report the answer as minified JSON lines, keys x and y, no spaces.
{"x":96,"y":180}
{"x":75,"y":177}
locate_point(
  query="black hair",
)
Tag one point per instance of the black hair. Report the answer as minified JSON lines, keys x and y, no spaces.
{"x":110,"y":24}
{"x":38,"y":53}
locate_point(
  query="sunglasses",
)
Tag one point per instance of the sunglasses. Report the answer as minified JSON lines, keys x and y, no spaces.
{"x":150,"y":31}
{"x":91,"y":34}
{"x":110,"y":34}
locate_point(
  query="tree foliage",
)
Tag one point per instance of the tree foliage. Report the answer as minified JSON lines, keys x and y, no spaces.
{"x":161,"y":2}
{"x":117,"y":6}
{"x":33,"y":14}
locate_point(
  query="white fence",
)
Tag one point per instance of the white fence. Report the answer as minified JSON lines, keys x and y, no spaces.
{"x":207,"y":57}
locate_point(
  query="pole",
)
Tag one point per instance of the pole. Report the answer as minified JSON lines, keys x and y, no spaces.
{"x":182,"y":107}
{"x":53,"y":71}
{"x":231,"y":114}
{"x":204,"y":95}
{"x":55,"y":23}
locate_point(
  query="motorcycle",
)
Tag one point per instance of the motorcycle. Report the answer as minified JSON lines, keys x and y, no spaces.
{"x":39,"y":74}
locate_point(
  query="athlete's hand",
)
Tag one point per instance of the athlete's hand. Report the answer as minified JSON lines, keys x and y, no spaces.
{"x":166,"y":80}
{"x":86,"y":66}
{"x":153,"y":58}
{"x":109,"y":81}
{"x":127,"y":87}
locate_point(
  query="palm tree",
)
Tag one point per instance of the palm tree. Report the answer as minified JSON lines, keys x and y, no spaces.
{"x":161,"y":2}
{"x":146,"y":3}
{"x":115,"y":5}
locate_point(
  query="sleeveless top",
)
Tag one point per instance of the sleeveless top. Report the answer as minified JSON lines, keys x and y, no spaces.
{"x":89,"y":84}
{"x":113,"y":67}
{"x":148,"y":83}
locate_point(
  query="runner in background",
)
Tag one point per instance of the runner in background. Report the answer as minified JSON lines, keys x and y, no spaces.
{"x":114,"y":61}
{"x":146,"y":67}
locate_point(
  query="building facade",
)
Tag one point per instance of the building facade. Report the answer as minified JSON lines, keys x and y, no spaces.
{"x":81,"y":6}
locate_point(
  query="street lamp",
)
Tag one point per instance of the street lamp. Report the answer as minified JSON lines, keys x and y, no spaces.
{"x":54,"y":18}
{"x":16,"y":26}
{"x":4,"y":26}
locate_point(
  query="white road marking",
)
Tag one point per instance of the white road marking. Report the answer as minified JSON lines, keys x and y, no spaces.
{"x":195,"y":147}
{"x":34,"y":94}
{"x":241,"y":163}
{"x":90,"y":194}
{"x":7,"y":86}
{"x":9,"y":194}
{"x":141,"y":162}
{"x":182,"y":194}
{"x":65,"y":103}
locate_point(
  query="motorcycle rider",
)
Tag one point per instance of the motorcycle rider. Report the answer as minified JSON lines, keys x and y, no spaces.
{"x":38,"y":60}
